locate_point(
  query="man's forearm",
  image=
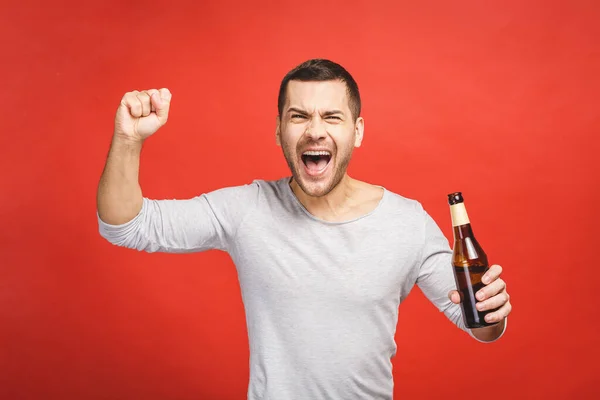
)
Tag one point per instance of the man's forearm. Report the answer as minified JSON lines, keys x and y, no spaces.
{"x":119,"y":197}
{"x":489,"y":333}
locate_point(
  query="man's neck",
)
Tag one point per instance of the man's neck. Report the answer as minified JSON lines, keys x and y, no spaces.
{"x":334,"y":204}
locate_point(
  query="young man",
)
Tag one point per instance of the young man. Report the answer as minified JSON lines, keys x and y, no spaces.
{"x":323,"y":260}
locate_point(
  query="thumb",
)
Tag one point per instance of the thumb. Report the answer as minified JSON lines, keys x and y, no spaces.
{"x":454,"y":296}
{"x":161,"y":103}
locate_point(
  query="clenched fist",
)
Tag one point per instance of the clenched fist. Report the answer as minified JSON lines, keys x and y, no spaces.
{"x":140,"y":114}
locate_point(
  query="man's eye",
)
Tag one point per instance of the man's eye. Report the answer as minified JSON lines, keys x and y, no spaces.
{"x":334,"y":117}
{"x":296,"y":116}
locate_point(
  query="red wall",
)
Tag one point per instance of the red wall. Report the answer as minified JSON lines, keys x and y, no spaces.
{"x":495,"y":99}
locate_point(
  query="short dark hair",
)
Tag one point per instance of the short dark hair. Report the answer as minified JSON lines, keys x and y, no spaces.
{"x":319,"y":70}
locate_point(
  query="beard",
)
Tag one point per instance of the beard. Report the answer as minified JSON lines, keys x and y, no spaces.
{"x":317,"y":186}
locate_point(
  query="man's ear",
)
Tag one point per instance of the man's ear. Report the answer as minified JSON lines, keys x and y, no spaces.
{"x":359,"y":131}
{"x":278,"y":132}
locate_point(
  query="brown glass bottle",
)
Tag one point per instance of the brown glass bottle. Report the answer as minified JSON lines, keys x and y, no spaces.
{"x":469,"y":261}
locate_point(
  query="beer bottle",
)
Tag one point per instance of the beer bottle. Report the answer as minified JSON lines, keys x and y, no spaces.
{"x":469,"y":262}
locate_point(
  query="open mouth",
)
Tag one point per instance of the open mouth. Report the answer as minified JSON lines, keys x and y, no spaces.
{"x":316,"y":161}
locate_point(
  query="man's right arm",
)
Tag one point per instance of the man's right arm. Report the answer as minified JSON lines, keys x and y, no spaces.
{"x":119,"y":197}
{"x":126,"y":218}
{"x":139,"y":115}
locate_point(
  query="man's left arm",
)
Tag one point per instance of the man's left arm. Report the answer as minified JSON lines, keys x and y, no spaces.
{"x":436,"y":280}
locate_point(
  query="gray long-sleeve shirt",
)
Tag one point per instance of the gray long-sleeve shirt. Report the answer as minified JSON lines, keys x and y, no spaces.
{"x":321,"y":298}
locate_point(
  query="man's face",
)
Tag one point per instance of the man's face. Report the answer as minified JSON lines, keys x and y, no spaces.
{"x":318,"y":134}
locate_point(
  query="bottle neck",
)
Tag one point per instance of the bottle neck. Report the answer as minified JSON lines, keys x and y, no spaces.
{"x":460,"y":221}
{"x":463,"y":231}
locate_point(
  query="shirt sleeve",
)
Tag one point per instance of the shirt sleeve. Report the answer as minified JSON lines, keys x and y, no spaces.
{"x":206,"y":222}
{"x":436,"y":277}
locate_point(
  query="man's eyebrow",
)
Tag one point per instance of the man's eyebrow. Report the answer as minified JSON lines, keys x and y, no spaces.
{"x":332,"y":112}
{"x":327,"y":113}
{"x":297,"y":110}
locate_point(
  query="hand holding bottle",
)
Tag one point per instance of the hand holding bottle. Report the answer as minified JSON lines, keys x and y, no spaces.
{"x":493,"y":296}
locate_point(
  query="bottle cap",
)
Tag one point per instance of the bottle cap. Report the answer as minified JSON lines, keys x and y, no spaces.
{"x":454,"y":198}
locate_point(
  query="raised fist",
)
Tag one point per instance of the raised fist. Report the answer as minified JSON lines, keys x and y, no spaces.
{"x":140,"y":114}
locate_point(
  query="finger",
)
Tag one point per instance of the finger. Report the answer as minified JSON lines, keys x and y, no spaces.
{"x":454,"y":296}
{"x":494,"y":302}
{"x":150,"y":93}
{"x":491,"y":274}
{"x":144,"y":98}
{"x":132,"y":103}
{"x":491,"y":290}
{"x":500,"y":314}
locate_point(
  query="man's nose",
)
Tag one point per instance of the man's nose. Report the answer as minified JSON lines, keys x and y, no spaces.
{"x":316,"y":129}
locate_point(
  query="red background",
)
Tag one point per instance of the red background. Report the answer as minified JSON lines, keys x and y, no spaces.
{"x":495,"y":99}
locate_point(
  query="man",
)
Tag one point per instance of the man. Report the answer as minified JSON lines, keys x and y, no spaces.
{"x":323,"y":260}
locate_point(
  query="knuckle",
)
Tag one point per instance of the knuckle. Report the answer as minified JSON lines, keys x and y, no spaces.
{"x":144,"y":103}
{"x":499,"y":287}
{"x":486,"y":305}
{"x":132,"y":99}
{"x":130,"y":95}
{"x":495,"y":304}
